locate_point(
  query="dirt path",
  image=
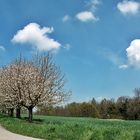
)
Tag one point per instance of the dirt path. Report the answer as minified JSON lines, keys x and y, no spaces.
{"x":6,"y":135}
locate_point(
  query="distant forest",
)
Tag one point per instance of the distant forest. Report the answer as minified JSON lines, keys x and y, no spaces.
{"x":127,"y":108}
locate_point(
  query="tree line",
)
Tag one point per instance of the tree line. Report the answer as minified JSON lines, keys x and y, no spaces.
{"x":31,"y":83}
{"x":124,"y":107}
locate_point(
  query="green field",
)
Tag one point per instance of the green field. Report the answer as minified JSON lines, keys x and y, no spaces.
{"x":68,"y":128}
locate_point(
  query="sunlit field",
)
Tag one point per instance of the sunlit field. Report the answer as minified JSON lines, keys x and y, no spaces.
{"x":68,"y":128}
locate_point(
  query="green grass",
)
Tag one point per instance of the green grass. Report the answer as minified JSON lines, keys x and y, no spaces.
{"x":68,"y":128}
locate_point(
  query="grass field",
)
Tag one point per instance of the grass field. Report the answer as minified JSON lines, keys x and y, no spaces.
{"x":67,"y":128}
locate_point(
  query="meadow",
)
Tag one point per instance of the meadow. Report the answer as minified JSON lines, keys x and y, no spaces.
{"x":69,"y":128}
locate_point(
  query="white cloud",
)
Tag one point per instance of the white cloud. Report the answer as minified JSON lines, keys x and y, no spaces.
{"x":67,"y":47}
{"x":133,"y":53}
{"x":128,"y":7}
{"x":114,"y":58}
{"x":123,"y":67}
{"x":86,"y":16}
{"x":2,"y":48}
{"x":92,"y":4}
{"x":95,"y":2}
{"x":110,"y":55}
{"x":66,"y":18}
{"x":36,"y":36}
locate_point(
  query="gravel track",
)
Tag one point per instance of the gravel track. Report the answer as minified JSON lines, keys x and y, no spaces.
{"x":6,"y":135}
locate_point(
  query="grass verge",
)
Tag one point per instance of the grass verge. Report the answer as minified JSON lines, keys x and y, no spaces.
{"x":68,"y":128}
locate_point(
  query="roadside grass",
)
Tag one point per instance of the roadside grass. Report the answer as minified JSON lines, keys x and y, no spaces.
{"x":71,"y":128}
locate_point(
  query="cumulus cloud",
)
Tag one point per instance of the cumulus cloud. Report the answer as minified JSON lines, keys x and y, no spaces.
{"x":36,"y":36}
{"x":86,"y":16}
{"x":128,"y":7}
{"x":133,"y":53}
{"x":114,"y":58}
{"x":66,"y":18}
{"x":124,"y":66}
{"x":92,"y":4}
{"x":111,"y":56}
{"x":95,"y":2}
{"x":2,"y":48}
{"x":89,"y":14}
{"x":67,"y":47}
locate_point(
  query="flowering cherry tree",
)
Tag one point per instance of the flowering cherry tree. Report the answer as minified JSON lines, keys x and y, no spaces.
{"x":32,"y":82}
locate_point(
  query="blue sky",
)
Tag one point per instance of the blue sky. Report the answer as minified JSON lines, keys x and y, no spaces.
{"x":96,"y":43}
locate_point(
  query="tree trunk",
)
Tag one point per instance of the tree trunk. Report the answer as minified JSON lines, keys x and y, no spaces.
{"x":18,"y":112}
{"x":8,"y":112}
{"x":11,"y":112}
{"x":3,"y":111}
{"x":30,"y":109}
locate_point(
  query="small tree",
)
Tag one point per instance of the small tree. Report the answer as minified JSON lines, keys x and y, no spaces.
{"x":8,"y":99}
{"x":49,"y":84}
